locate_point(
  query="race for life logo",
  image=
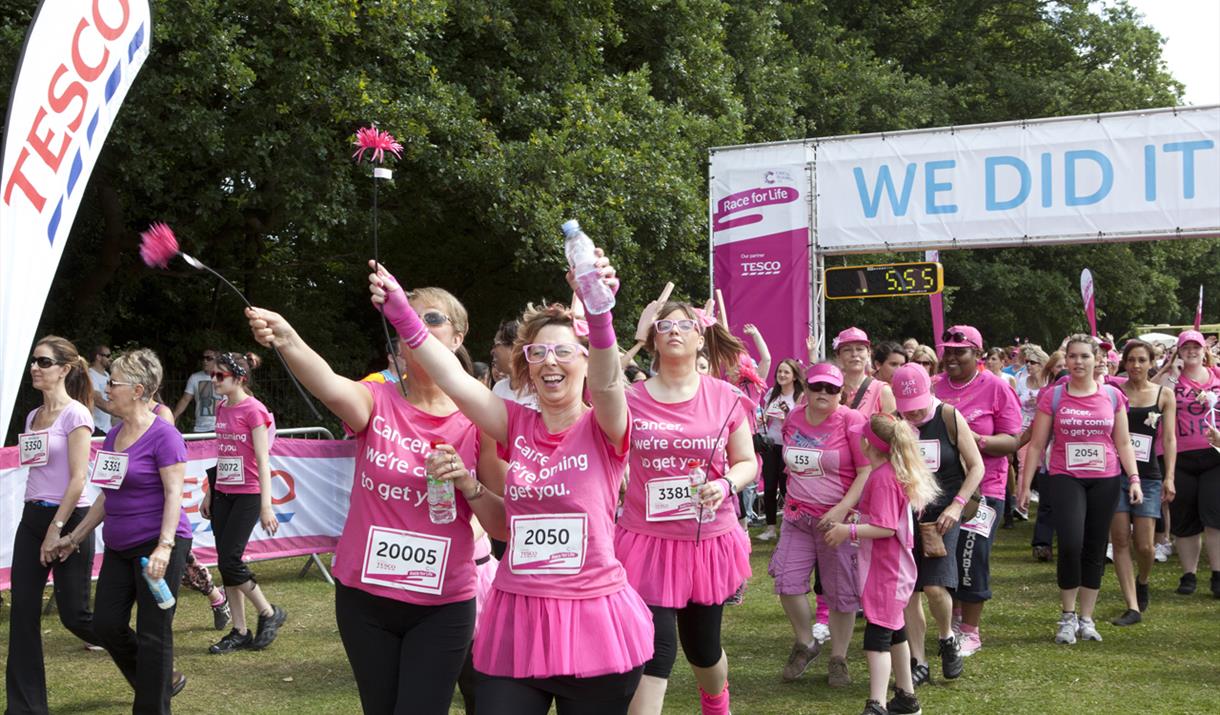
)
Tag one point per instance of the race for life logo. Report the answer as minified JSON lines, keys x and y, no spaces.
{"x":757,"y":264}
{"x":909,"y":388}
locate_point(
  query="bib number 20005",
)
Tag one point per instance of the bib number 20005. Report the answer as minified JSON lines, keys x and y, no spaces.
{"x":405,"y":560}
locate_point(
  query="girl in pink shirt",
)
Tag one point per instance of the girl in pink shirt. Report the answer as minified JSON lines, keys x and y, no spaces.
{"x":561,"y":625}
{"x":899,"y":482}
{"x":683,"y":568}
{"x":405,"y":586}
{"x":241,"y":497}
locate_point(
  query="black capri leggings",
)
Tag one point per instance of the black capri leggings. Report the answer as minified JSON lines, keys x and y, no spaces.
{"x":1197,"y":504}
{"x":1083,"y":511}
{"x":696,"y":625}
{"x":233,"y":519}
{"x":775,"y":479}
{"x":880,"y":639}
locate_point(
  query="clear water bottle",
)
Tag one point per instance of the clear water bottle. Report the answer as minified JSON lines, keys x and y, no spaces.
{"x":442,"y":503}
{"x":594,"y":292}
{"x":158,"y":586}
{"x":697,"y":477}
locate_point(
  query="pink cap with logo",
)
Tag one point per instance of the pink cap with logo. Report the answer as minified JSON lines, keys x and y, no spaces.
{"x":850,"y":335}
{"x":912,"y":388}
{"x":824,"y":372}
{"x":962,"y":336}
{"x":1191,"y":336}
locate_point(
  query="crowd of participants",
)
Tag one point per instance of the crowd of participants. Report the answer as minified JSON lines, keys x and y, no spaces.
{"x":600,"y":507}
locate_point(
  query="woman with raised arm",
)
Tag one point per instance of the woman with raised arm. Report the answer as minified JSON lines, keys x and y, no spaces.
{"x":405,"y":579}
{"x":688,"y":432}
{"x":561,"y":625}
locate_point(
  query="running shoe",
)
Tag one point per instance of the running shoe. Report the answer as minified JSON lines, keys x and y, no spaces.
{"x":872,"y":707}
{"x":920,"y":674}
{"x":1042,"y":552}
{"x":1161,"y":552}
{"x":1088,"y":630}
{"x":799,"y":660}
{"x":950,"y":658}
{"x":738,"y":596}
{"x":1019,"y":513}
{"x":821,"y":632}
{"x":1068,"y":625}
{"x":177,"y":683}
{"x":1129,"y":618}
{"x":1109,"y":553}
{"x":904,"y":703}
{"x":1216,"y":584}
{"x":1033,"y":497}
{"x":1141,"y":596}
{"x":235,"y":640}
{"x":969,"y":643}
{"x":837,"y":675}
{"x":1187,"y":584}
{"x":269,"y":627}
{"x":767,"y":534}
{"x":221,"y":615}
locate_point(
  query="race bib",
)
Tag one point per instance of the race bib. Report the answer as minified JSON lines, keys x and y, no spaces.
{"x":804,"y":462}
{"x":230,"y":471}
{"x":35,"y":448}
{"x":548,"y":544}
{"x":1085,"y":456}
{"x":1142,"y":444}
{"x":669,"y":499}
{"x":405,"y":560}
{"x":929,"y":449}
{"x":109,"y":469}
{"x":982,"y":522}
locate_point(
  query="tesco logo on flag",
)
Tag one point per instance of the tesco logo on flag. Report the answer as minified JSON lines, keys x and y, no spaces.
{"x":760,"y":268}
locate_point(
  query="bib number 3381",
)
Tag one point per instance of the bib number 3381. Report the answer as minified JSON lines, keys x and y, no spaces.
{"x":550,"y":544}
{"x":405,"y":560}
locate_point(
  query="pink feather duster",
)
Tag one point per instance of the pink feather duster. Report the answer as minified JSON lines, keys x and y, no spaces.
{"x":158,"y":245}
{"x":377,"y":143}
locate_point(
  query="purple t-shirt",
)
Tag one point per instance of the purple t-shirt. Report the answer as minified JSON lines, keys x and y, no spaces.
{"x":133,"y":511}
{"x":49,"y":481}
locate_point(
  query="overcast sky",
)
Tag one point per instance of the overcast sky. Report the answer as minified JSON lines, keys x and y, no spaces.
{"x":1191,"y":29}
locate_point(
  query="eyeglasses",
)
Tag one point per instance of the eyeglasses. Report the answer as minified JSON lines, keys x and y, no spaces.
{"x":563,"y":352}
{"x":826,"y":387}
{"x":43,"y":362}
{"x":434,"y":318}
{"x":209,"y":358}
{"x":684,"y":325}
{"x":112,"y":383}
{"x":220,"y":376}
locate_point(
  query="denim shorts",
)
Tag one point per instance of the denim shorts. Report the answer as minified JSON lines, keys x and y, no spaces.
{"x":1150,"y":507}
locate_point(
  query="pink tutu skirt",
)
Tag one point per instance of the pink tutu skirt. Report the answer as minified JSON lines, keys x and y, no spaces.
{"x":485,"y":574}
{"x":671,"y":573}
{"x":535,"y":637}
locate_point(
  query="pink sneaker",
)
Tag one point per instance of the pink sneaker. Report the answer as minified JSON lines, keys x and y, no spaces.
{"x":969,"y":643}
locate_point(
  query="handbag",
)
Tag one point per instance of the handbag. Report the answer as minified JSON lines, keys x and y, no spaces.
{"x":931,"y":544}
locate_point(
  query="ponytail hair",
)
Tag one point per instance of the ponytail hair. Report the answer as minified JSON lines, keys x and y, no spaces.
{"x":909,"y":468}
{"x":76,"y":380}
{"x":242,"y":366}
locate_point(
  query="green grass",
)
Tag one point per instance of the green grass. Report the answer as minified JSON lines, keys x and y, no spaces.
{"x":1168,"y":664}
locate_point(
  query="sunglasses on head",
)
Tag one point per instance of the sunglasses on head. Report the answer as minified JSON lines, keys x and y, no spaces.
{"x":43,"y":362}
{"x":955,"y":336}
{"x":684,"y":325}
{"x":434,"y":318}
{"x":826,"y":387}
{"x":563,"y":352}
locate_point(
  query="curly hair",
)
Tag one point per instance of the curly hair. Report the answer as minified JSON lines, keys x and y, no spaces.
{"x":533,"y":320}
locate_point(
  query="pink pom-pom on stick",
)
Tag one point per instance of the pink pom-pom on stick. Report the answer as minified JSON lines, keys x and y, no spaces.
{"x":377,"y":143}
{"x":158,"y":245}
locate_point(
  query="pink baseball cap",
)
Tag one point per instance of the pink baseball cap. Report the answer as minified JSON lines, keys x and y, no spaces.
{"x":824,"y":372}
{"x":961,"y":336}
{"x":912,"y":388}
{"x":851,"y":335}
{"x":1191,"y":336}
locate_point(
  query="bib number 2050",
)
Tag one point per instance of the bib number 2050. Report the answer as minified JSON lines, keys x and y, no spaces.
{"x":548,"y":544}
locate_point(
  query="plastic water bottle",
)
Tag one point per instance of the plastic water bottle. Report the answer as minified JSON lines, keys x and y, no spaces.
{"x":158,"y":586}
{"x":442,"y":502}
{"x":697,"y":477}
{"x":594,"y":292}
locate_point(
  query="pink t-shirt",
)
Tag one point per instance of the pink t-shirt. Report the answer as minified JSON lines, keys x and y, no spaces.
{"x":664,"y":437}
{"x":870,"y":403}
{"x":49,"y":481}
{"x":560,"y":492}
{"x":236,"y":463}
{"x":886,"y":566}
{"x":389,"y":546}
{"x":990,"y":407}
{"x":1082,"y":431}
{"x":1192,"y":415}
{"x":821,"y":461}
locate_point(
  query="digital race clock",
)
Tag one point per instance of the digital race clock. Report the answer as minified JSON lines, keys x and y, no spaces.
{"x":890,"y":280}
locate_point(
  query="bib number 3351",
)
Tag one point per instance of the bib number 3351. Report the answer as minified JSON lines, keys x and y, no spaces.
{"x":405,"y":560}
{"x":550,"y":544}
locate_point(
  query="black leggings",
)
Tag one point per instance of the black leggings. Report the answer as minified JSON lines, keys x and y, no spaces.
{"x":880,"y":639}
{"x":775,"y":480}
{"x":696,"y":625}
{"x":405,"y":658}
{"x":1083,"y":511}
{"x":600,"y":695}
{"x":1197,"y":504}
{"x":233,"y":520}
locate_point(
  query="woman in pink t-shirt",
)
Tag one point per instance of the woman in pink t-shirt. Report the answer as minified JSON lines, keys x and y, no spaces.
{"x":899,"y":482}
{"x":405,"y":586}
{"x":240,"y":497}
{"x":55,"y":449}
{"x":862,"y":392}
{"x":826,"y":471}
{"x":1087,"y":421}
{"x":561,"y":625}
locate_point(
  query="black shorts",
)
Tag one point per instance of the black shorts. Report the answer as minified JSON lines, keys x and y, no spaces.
{"x":940,"y":571}
{"x":1197,"y":482}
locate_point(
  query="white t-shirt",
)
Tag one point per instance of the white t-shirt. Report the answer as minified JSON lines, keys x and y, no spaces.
{"x":774,"y":414}
{"x":101,"y":420}
{"x":504,"y":390}
{"x":200,"y":386}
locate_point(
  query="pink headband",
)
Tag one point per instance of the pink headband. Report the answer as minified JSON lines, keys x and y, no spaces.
{"x":875,"y":439}
{"x":580,"y":326}
{"x":705,"y":320}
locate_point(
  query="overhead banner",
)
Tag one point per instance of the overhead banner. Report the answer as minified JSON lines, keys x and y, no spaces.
{"x":1122,"y":176}
{"x":760,"y":246}
{"x":79,"y":60}
{"x":311,"y":481}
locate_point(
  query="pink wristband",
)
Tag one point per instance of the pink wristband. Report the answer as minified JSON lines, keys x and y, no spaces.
{"x":958,"y":498}
{"x":854,"y":537}
{"x":601,"y":331}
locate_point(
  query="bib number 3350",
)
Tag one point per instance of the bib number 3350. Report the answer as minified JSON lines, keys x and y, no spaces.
{"x":405,"y":560}
{"x":548,"y":544}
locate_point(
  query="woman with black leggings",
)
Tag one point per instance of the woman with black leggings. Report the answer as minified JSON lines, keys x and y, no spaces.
{"x":1089,"y":423}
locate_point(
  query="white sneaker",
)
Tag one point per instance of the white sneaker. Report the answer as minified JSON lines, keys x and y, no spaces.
{"x":1033,"y":497}
{"x":1162,"y":553}
{"x":1068,"y":625}
{"x":821,"y":632}
{"x":1109,"y":553}
{"x":1088,"y":630}
{"x":768,"y":534}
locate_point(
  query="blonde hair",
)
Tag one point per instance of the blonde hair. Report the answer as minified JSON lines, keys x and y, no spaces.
{"x":1084,"y":339}
{"x":909,"y":468}
{"x":927,"y":353}
{"x":1030,"y":351}
{"x":143,"y":367}
{"x":534,"y":319}
{"x":448,"y":303}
